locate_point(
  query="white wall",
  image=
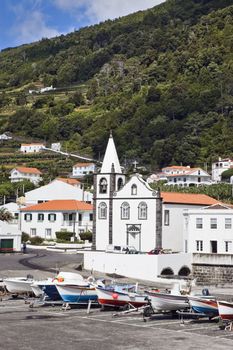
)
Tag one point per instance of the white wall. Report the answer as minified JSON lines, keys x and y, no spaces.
{"x":141,"y":266}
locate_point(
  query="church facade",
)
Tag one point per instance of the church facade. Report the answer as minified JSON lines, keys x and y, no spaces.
{"x":126,"y":212}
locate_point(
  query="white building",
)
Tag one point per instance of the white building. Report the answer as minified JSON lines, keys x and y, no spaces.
{"x":14,"y":209}
{"x":126,"y":213}
{"x":57,"y":190}
{"x":5,"y":137}
{"x":174,"y":204}
{"x":56,"y":146}
{"x":156,"y":177}
{"x":186,"y":176}
{"x":82,"y":169}
{"x":209,"y":230}
{"x":31,"y":147}
{"x":45,"y":219}
{"x":23,"y":173}
{"x":219,"y":167}
{"x":10,"y":237}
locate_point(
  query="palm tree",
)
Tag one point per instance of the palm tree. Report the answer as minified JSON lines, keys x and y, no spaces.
{"x":5,"y":215}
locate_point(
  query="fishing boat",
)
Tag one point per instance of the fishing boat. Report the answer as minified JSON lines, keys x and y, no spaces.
{"x":204,"y":304}
{"x":48,"y":286}
{"x":19,"y":285}
{"x":80,"y":292}
{"x":120,"y":295}
{"x":167,"y":301}
{"x":225,"y":309}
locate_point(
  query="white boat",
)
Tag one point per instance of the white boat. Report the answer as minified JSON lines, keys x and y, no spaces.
{"x":167,"y":301}
{"x":19,"y":285}
{"x":79,"y":292}
{"x":48,"y":286}
{"x":204,"y":304}
{"x":117,"y":295}
{"x":225,"y":309}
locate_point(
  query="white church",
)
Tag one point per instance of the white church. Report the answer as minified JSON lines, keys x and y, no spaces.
{"x":125,"y":212}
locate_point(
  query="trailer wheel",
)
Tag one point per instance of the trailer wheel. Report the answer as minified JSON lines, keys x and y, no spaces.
{"x":147,"y":312}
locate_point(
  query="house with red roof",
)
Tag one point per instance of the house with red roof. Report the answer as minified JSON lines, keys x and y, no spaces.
{"x":82,"y":169}
{"x":173,"y":222}
{"x":208,"y":230}
{"x":31,"y":147}
{"x":182,"y":176}
{"x":23,"y":173}
{"x":45,"y":219}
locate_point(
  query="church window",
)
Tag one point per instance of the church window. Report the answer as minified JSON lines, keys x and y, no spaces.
{"x":134,"y":189}
{"x":119,"y":183}
{"x":103,"y":185}
{"x":102,"y":210}
{"x":142,"y":211}
{"x":125,"y":211}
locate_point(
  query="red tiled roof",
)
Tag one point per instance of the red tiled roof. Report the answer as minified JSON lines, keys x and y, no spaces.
{"x":190,"y":172}
{"x":25,"y":170}
{"x":80,"y":165}
{"x":60,"y":205}
{"x":187,"y":198}
{"x":177,"y":167}
{"x":32,"y":144}
{"x":68,"y":180}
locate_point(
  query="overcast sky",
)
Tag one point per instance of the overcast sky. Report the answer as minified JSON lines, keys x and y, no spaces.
{"x":25,"y":21}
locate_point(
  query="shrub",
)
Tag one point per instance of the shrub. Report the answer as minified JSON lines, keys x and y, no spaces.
{"x":64,"y":235}
{"x":25,"y":237}
{"x":86,"y":236}
{"x":36,"y":240}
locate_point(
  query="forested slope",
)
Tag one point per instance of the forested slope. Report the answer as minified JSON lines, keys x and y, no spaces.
{"x":161,"y":79}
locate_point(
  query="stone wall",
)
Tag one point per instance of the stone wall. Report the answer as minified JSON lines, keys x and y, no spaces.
{"x":212,"y":274}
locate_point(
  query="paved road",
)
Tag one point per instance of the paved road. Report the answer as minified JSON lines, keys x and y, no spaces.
{"x":23,"y":328}
{"x":38,"y":259}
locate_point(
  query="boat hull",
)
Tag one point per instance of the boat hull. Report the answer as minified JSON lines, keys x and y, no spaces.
{"x":76,"y":294}
{"x":167,"y":302}
{"x":18,"y":285}
{"x":225,"y":310}
{"x":204,"y":305}
{"x":119,"y":299}
{"x":51,"y":291}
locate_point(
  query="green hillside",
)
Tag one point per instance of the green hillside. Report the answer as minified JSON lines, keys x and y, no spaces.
{"x":161,"y":79}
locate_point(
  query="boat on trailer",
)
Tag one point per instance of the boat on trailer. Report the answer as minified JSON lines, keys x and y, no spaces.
{"x":19,"y":285}
{"x":204,"y":304}
{"x":48,"y":286}
{"x":79,"y":293}
{"x":225,"y":309}
{"x":120,"y":295}
{"x":167,"y":301}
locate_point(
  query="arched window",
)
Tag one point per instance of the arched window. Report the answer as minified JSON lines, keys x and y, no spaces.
{"x":125,"y":211}
{"x":142,"y":211}
{"x":102,"y":210}
{"x":119,"y":183}
{"x":103,"y":185}
{"x":133,"y":189}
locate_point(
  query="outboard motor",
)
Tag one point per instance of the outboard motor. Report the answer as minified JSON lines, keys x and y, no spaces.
{"x":205,"y":292}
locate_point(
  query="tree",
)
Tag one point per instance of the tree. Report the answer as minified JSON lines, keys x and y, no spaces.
{"x":5,"y":215}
